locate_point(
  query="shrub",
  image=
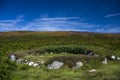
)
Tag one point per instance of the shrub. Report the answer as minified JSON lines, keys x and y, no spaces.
{"x":24,"y":67}
{"x":6,"y":69}
{"x":70,"y":60}
{"x":74,"y":49}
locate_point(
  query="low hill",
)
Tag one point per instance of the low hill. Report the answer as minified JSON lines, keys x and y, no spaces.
{"x":27,"y":40}
{"x":57,"y":46}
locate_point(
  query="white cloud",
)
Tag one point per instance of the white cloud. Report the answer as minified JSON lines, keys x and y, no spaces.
{"x":6,"y":25}
{"x":59,"y":24}
{"x":60,"y":18}
{"x":109,"y":29}
{"x":9,"y":21}
{"x":112,"y":15}
{"x":47,"y":24}
{"x":56,"y":24}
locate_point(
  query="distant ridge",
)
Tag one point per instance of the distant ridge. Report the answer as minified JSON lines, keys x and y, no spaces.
{"x":60,"y":31}
{"x":57,"y":33}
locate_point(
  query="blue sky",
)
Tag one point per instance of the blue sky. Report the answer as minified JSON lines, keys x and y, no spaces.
{"x":60,"y":15}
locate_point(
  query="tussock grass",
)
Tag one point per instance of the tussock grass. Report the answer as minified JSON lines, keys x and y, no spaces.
{"x":22,"y":41}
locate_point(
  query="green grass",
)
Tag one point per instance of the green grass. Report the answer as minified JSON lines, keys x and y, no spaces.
{"x":104,"y":72}
{"x":21,"y":42}
{"x":15,"y":41}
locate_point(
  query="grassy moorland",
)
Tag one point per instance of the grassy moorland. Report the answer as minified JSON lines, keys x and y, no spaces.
{"x":59,"y":42}
{"x":14,"y":41}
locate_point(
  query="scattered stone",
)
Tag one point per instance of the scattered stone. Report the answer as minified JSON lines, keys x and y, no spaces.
{"x":35,"y":65}
{"x":42,"y":62}
{"x":118,"y":58}
{"x":27,"y":63}
{"x":88,"y":52}
{"x":31,"y":63}
{"x":13,"y":57}
{"x":113,"y":57}
{"x":92,"y":70}
{"x":55,"y":65}
{"x":26,"y":60}
{"x":78,"y":65}
{"x":51,"y":52}
{"x":105,"y":61}
{"x":19,"y":61}
{"x":96,"y":55}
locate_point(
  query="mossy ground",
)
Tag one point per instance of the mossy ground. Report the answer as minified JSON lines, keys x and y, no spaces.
{"x":103,"y":72}
{"x":102,"y":44}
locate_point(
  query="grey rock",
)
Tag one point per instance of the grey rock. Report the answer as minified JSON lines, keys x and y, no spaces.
{"x":20,"y":61}
{"x":35,"y":65}
{"x":42,"y":62}
{"x":78,"y":65}
{"x":55,"y":65}
{"x":113,"y":57}
{"x":30,"y":63}
{"x":105,"y":61}
{"x":92,"y":70}
{"x":51,"y":52}
{"x":118,"y":58}
{"x":13,"y":57}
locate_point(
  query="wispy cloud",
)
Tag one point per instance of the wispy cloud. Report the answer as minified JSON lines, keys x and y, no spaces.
{"x":59,"y":24}
{"x":6,"y":25}
{"x":10,"y":21}
{"x":112,"y":15}
{"x":61,"y":18}
{"x":56,"y":24}
{"x":109,"y":29}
